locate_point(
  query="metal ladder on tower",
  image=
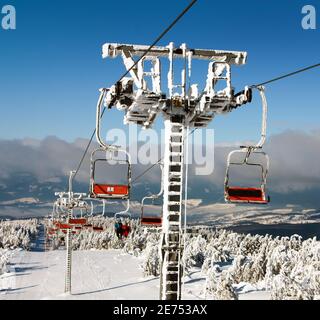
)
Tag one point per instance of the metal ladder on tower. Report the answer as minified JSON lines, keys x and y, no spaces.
{"x":67,"y":288}
{"x":172,"y":209}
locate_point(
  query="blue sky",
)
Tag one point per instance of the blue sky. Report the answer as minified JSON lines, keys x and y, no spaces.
{"x":51,"y":66}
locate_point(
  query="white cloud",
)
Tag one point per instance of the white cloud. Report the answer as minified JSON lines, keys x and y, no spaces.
{"x":294,"y":162}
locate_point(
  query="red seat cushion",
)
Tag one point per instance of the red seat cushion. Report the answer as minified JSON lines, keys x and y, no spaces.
{"x":78,"y":221}
{"x":246,"y":195}
{"x":155,"y":221}
{"x":63,"y":226}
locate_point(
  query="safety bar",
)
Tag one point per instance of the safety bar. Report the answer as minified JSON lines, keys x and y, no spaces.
{"x":156,"y":196}
{"x":125,"y":212}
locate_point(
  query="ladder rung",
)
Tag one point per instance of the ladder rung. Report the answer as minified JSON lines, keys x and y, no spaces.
{"x":171,"y":292}
{"x":173,"y":263}
{"x":175,"y":175}
{"x":175,"y":163}
{"x":175,"y":235}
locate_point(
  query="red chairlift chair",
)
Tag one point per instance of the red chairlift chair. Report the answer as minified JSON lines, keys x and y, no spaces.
{"x":153,"y":221}
{"x":250,"y":195}
{"x":107,"y":190}
{"x":81,"y":221}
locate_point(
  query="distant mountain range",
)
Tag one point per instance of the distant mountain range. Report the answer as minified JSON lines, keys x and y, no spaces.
{"x":31,"y":171}
{"x":22,"y":194}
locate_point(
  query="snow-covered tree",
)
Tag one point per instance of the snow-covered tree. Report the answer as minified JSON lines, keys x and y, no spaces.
{"x":219,"y":285}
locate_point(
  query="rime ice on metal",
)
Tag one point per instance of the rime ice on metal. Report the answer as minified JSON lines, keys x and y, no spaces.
{"x":183,"y":106}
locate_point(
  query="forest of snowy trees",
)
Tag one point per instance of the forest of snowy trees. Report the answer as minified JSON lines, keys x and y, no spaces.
{"x":14,"y":235}
{"x":289,"y":268}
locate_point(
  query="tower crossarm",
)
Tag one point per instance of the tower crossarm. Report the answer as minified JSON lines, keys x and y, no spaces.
{"x":113,"y":50}
{"x":142,"y":99}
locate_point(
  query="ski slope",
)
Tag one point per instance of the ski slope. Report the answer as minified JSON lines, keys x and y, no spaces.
{"x":96,"y":275}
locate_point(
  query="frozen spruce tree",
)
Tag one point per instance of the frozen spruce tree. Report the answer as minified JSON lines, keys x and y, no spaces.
{"x":194,"y":252}
{"x":219,"y":285}
{"x":151,"y":263}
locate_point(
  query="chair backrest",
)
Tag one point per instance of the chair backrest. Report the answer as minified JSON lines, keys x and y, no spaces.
{"x":104,"y":188}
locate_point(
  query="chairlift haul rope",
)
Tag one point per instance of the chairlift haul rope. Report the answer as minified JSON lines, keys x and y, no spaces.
{"x":252,"y":86}
{"x":286,"y":75}
{"x":181,"y":110}
{"x":176,"y":20}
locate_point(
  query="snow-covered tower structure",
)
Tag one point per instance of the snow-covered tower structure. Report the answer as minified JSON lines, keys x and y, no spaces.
{"x":182,"y":105}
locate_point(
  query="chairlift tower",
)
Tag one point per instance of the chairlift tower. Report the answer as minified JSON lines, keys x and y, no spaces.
{"x":182,"y":106}
{"x":69,"y":201}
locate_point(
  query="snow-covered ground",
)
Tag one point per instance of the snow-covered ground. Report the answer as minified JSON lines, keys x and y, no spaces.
{"x":220,"y":265}
{"x":96,"y":275}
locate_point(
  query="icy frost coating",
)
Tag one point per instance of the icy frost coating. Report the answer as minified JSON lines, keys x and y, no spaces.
{"x":13,"y":235}
{"x":287,"y":267}
{"x":17,"y":234}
